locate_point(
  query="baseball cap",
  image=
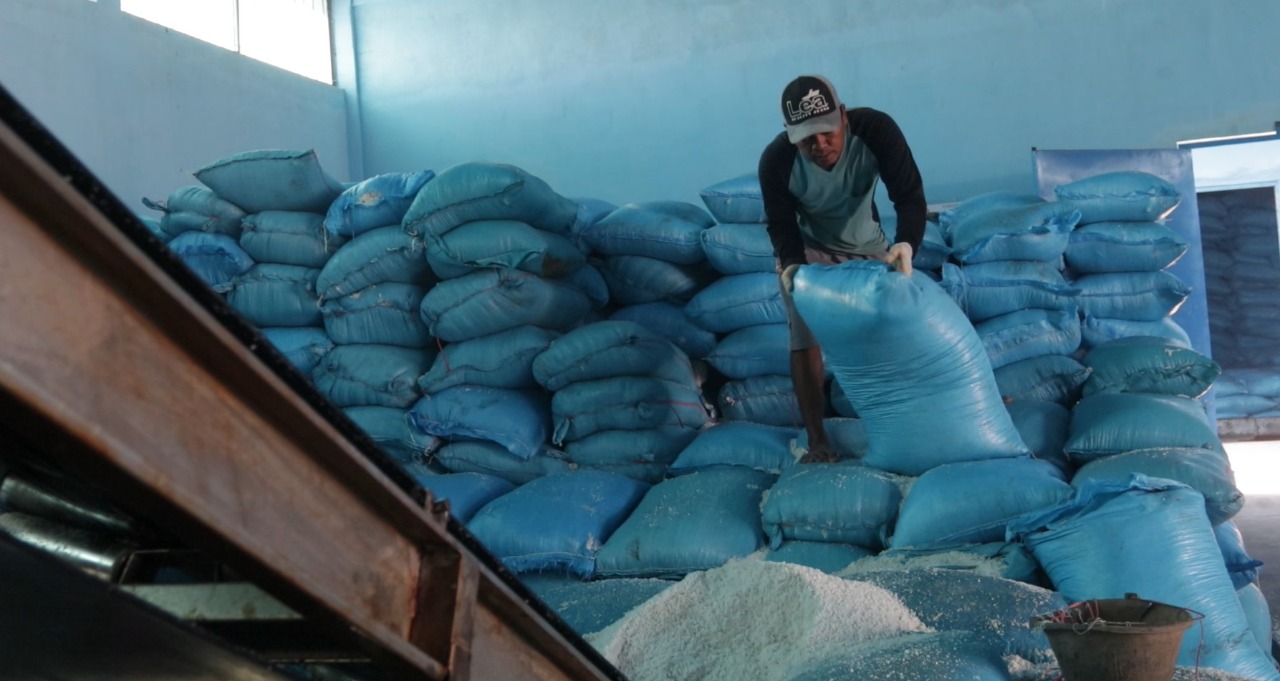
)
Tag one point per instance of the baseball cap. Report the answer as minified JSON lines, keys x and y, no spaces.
{"x":810,"y":106}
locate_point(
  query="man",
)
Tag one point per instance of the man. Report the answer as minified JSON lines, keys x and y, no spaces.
{"x":818,"y":179}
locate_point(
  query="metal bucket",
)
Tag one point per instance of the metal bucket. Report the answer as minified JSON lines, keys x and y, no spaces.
{"x":1119,"y":639}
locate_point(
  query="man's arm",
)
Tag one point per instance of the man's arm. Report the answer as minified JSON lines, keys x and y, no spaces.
{"x":779,"y":203}
{"x":898,"y":170}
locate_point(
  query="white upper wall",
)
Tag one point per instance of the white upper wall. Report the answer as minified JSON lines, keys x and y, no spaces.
{"x":143,"y":107}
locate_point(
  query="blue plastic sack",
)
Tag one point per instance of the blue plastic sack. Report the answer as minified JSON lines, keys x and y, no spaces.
{"x":736,"y":200}
{"x":215,"y":258}
{"x":760,"y":399}
{"x":516,"y":419}
{"x":900,"y":347}
{"x":636,"y":279}
{"x":670,"y":322}
{"x":302,"y":347}
{"x":489,"y":301}
{"x":388,"y":427}
{"x":590,"y":281}
{"x":982,"y":203}
{"x":1242,"y":567}
{"x":1124,"y":195}
{"x":378,"y":201}
{"x":1029,"y":333}
{"x":198,"y":209}
{"x":1032,"y":232}
{"x":754,"y":445}
{"x":644,"y":454}
{"x":608,"y":349}
{"x":487,"y":191}
{"x":820,"y":555}
{"x":491,"y":458}
{"x":288,"y":238}
{"x":690,"y":523}
{"x":275,"y":295}
{"x":501,"y":244}
{"x":934,"y":656}
{"x":588,"y":607}
{"x":973,"y":501}
{"x":557,"y":522}
{"x":1152,"y":538}
{"x":385,"y":254}
{"x":1139,"y":296}
{"x":466,"y":493}
{"x":1123,"y":247}
{"x":738,"y":301}
{"x":847,"y":437}
{"x":625,"y":403}
{"x":739,"y":248}
{"x":384,"y":314}
{"x":500,"y":360}
{"x":1205,"y":470}
{"x":1047,"y":378}
{"x":843,"y":502}
{"x":1044,"y":427}
{"x":1095,"y":331}
{"x":1148,"y":364}
{"x":1002,"y":559}
{"x":1113,"y":423}
{"x":991,"y":289}
{"x":758,"y":350}
{"x":640,"y":229}
{"x":272,"y":179}
{"x":1258,"y":614}
{"x":590,"y":211}
{"x":372,"y":375}
{"x":933,"y":251}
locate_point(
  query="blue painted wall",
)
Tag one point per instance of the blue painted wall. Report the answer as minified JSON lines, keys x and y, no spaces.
{"x":143,"y":106}
{"x":655,"y":99}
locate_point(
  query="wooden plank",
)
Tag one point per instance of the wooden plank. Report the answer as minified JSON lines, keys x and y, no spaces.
{"x":1245,"y":430}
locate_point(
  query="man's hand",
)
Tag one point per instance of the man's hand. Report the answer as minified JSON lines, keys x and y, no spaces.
{"x":900,"y":255}
{"x":788,"y":278}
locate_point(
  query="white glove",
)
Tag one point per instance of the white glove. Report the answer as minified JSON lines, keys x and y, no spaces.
{"x":900,"y":255}
{"x":789,"y":278}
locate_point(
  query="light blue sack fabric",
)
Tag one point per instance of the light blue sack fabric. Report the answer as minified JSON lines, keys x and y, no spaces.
{"x":1205,"y":470}
{"x":198,"y":209}
{"x":1242,"y":567}
{"x":644,"y":454}
{"x":847,"y":436}
{"x":384,"y":314}
{"x":1124,"y":195}
{"x":272,"y":179}
{"x":653,"y":232}
{"x":507,"y":244}
{"x":736,"y":200}
{"x":735,"y":248}
{"x":608,"y":349}
{"x":738,"y":301}
{"x":982,"y":203}
{"x":302,"y":347}
{"x":372,"y":375}
{"x":670,"y":322}
{"x":1258,"y":614}
{"x":215,"y":258}
{"x":1048,"y":378}
{"x":590,"y":281}
{"x":1150,"y":537}
{"x":1029,"y":333}
{"x":1113,"y":423}
{"x":378,"y":201}
{"x":557,"y":522}
{"x":1149,"y":364}
{"x":385,"y":254}
{"x":820,"y":555}
{"x":760,"y":399}
{"x":637,"y":279}
{"x":694,"y":522}
{"x":973,"y":501}
{"x":1095,"y":331}
{"x":466,"y":493}
{"x":389,"y":428}
{"x":1139,"y":296}
{"x":588,"y":607}
{"x":1032,"y":232}
{"x":491,"y":458}
{"x":289,"y":238}
{"x":1123,"y":247}
{"x":988,"y":290}
{"x":500,"y":360}
{"x":590,"y":211}
{"x":489,"y":301}
{"x":1044,"y":427}
{"x":625,"y":403}
{"x":933,"y":251}
{"x":759,"y":350}
{"x":899,"y":347}
{"x":516,"y":419}
{"x":275,"y":295}
{"x":738,"y":443}
{"x":934,"y":656}
{"x":487,"y":191}
{"x":841,"y":502}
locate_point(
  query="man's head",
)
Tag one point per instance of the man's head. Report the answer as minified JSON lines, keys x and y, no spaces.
{"x":814,"y":119}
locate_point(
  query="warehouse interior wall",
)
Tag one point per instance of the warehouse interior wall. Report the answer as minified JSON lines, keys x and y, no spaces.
{"x":143,"y":106}
{"x":657,"y":99}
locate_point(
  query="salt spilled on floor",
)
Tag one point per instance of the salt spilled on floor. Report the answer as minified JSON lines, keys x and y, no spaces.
{"x":750,"y":620}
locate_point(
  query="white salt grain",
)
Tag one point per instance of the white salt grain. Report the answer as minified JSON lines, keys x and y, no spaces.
{"x":750,"y":620}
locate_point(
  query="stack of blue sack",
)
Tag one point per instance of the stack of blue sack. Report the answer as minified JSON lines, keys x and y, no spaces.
{"x":1252,"y":393}
{"x":203,"y":231}
{"x":1241,"y":277}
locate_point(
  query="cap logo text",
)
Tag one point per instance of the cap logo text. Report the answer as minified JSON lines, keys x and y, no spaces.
{"x":809,"y":105}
